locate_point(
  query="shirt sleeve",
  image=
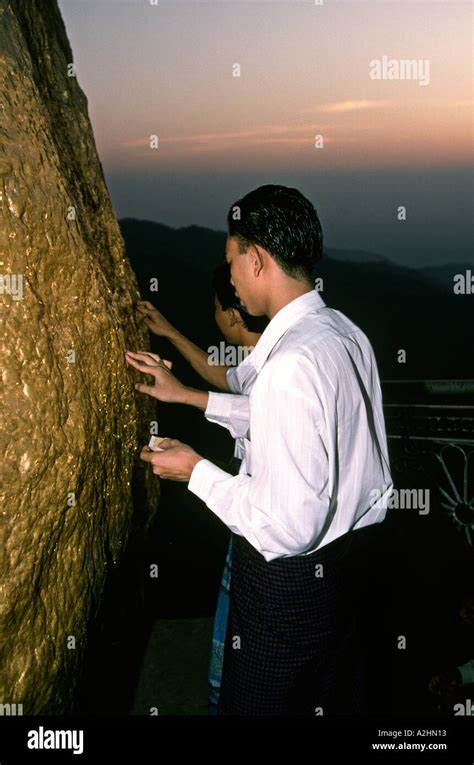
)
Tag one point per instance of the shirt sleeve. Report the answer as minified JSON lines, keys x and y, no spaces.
{"x":282,"y":504}
{"x":232,"y":380}
{"x":230,"y":410}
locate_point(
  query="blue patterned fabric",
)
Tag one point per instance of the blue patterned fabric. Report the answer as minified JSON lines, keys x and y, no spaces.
{"x":218,"y":637}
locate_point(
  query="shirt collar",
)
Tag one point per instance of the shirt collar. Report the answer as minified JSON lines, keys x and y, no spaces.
{"x":283,"y":320}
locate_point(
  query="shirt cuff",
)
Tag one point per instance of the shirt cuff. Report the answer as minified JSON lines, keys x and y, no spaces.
{"x":219,"y":405}
{"x":202,"y":479}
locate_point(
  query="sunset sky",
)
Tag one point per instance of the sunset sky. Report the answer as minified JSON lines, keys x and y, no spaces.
{"x":167,"y":70}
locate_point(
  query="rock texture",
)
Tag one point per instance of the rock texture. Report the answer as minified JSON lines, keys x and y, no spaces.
{"x":72,"y":422}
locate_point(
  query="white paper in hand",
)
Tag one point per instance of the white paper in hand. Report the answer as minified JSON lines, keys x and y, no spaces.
{"x":154,"y":441}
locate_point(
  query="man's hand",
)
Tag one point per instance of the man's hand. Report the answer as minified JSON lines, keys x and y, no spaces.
{"x":176,"y":462}
{"x":167,"y":387}
{"x":155,"y":320}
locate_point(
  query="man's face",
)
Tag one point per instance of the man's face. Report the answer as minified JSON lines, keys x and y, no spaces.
{"x":241,"y":275}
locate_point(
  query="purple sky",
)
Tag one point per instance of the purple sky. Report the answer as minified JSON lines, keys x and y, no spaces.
{"x":167,"y":70}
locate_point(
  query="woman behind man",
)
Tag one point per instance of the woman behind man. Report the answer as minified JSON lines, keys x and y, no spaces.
{"x":240,"y":329}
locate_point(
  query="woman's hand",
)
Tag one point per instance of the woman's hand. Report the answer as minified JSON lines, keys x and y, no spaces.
{"x":167,"y":387}
{"x":155,"y":320}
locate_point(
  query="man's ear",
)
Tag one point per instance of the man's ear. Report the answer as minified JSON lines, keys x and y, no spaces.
{"x":234,"y":317}
{"x":258,"y":259}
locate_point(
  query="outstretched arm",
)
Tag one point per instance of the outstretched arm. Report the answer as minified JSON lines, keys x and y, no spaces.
{"x":215,"y":375}
{"x":166,"y":386}
{"x":227,"y":409}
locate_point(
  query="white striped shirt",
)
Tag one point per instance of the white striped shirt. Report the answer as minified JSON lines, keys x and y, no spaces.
{"x":236,"y":386}
{"x":314,"y":434}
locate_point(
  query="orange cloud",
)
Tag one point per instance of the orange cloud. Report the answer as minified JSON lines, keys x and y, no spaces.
{"x":260,"y":134}
{"x":347,"y":106}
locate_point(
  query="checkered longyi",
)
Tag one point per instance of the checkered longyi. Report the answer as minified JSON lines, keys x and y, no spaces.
{"x":293,"y":645}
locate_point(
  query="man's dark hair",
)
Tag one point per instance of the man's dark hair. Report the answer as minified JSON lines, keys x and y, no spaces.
{"x":226,"y":297}
{"x":285,"y":223}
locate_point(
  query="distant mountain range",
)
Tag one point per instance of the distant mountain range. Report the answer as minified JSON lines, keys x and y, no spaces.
{"x":443,"y":275}
{"x":355,"y":256}
{"x":399,"y":308}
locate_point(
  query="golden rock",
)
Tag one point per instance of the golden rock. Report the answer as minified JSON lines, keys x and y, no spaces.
{"x":72,"y":427}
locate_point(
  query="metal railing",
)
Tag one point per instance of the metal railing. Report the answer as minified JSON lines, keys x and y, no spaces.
{"x":430,"y":432}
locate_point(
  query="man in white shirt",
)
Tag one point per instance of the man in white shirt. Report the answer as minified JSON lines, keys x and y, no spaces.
{"x":315,"y":457}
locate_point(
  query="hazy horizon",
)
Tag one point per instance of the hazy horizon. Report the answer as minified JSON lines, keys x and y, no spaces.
{"x":167,"y":70}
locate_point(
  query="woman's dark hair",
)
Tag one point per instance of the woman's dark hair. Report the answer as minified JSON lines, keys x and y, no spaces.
{"x":285,"y":223}
{"x":226,"y":297}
